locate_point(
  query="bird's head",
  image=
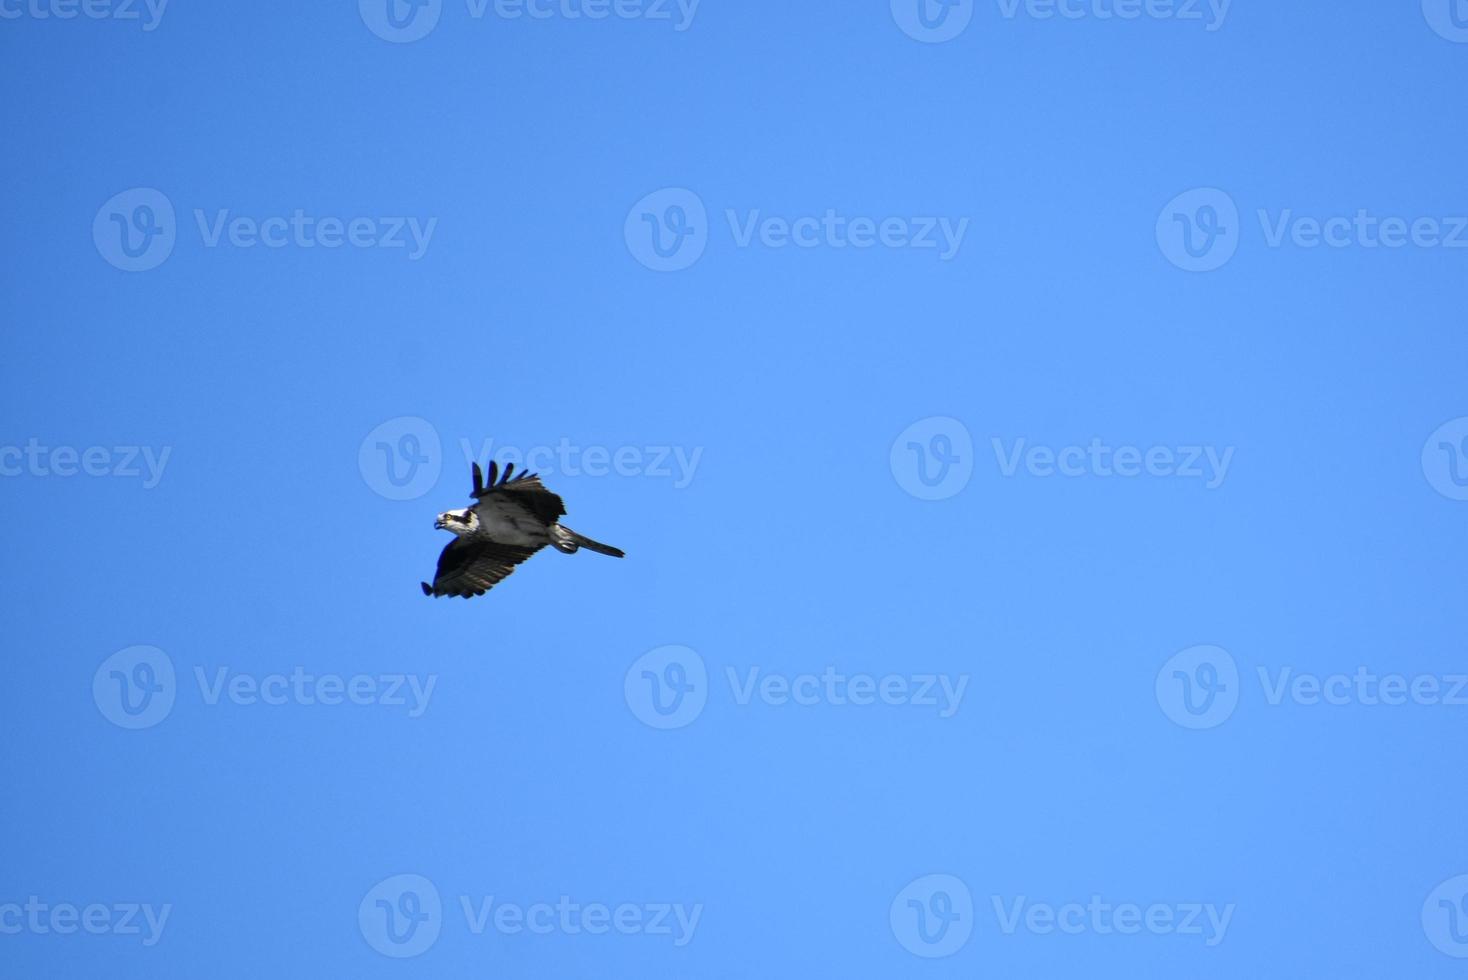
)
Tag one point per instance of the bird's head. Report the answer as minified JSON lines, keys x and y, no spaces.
{"x":460,"y":522}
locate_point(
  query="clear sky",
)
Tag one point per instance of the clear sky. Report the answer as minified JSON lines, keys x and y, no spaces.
{"x":1038,"y":433}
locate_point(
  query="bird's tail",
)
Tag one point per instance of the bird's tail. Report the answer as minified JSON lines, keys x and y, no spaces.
{"x":569,"y":541}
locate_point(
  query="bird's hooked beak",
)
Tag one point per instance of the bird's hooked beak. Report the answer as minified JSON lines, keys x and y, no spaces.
{"x":438,"y":524}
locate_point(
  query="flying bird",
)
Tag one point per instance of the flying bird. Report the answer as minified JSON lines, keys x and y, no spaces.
{"x":512,"y":519}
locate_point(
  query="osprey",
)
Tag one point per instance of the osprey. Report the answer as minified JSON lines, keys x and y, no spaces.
{"x":513,"y":519}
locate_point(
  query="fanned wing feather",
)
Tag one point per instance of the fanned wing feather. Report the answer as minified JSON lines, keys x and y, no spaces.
{"x":526,"y":490}
{"x":468,"y":567}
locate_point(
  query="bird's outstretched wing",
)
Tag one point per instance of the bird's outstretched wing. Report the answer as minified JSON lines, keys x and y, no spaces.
{"x":524,"y":490}
{"x":470,"y":567}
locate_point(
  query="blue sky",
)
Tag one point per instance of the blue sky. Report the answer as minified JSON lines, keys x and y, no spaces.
{"x":1037,"y":431}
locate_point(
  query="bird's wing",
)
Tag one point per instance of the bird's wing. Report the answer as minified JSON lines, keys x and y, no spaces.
{"x":524,"y":491}
{"x":470,"y":567}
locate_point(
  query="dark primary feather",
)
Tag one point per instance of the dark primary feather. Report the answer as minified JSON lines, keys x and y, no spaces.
{"x":471,"y":567}
{"x":525,"y":490}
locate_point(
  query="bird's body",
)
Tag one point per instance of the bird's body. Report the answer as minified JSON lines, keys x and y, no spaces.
{"x":511,"y":520}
